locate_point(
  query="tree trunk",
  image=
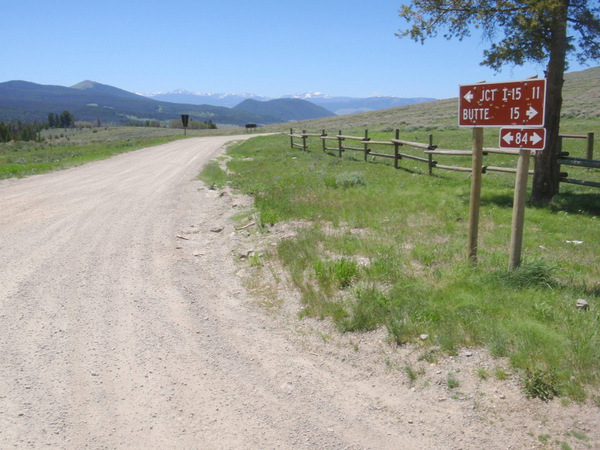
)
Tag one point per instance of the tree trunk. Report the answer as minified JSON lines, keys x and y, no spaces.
{"x":547,"y":170}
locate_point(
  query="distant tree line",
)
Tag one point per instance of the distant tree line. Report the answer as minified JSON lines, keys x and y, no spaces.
{"x":143,"y":123}
{"x":16,"y":130}
{"x":62,"y":120}
{"x":175,"y":123}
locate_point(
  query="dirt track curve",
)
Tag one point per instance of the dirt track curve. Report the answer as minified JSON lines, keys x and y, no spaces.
{"x":117,"y":333}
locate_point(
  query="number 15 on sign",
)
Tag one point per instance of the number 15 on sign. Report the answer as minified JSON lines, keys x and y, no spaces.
{"x":512,"y":103}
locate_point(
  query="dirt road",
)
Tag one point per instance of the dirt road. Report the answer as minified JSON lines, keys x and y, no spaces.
{"x":124,"y":324}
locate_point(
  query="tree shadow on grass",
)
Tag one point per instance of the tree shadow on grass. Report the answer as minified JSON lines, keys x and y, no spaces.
{"x":501,"y":200}
{"x":588,"y":204}
{"x":573,"y":203}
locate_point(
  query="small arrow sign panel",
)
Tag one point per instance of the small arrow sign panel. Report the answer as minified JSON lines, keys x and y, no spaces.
{"x":513,"y":103}
{"x":523,"y":138}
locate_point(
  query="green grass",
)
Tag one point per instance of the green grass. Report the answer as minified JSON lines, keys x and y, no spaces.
{"x":213,"y":175}
{"x":482,"y":373}
{"x":541,"y":384}
{"x":387,"y":248}
{"x":67,"y":148}
{"x":451,"y":381}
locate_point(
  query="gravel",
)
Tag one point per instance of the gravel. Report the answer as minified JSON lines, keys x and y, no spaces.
{"x":129,"y":321}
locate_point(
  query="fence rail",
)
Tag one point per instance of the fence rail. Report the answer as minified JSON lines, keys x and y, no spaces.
{"x":589,"y":148}
{"x":430,"y":151}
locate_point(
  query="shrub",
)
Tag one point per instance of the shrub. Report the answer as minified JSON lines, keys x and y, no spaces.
{"x":541,"y":384}
{"x":349,"y":180}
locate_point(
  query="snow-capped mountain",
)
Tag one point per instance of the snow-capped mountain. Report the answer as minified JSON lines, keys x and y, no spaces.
{"x":308,"y":95}
{"x":339,"y":105}
{"x":204,"y":98}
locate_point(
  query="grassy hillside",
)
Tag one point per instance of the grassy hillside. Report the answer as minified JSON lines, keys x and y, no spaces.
{"x":582,"y":94}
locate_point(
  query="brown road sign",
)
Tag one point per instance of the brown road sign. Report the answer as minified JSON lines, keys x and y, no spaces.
{"x":512,"y":103}
{"x":184,"y":120}
{"x":523,"y":138}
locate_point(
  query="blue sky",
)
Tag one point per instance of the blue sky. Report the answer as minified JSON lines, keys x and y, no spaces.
{"x":270,"y":48}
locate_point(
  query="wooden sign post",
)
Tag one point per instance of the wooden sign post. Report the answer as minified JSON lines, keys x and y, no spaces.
{"x":475,"y":194}
{"x":184,"y":121}
{"x":517,"y":104}
{"x":518,"y":219}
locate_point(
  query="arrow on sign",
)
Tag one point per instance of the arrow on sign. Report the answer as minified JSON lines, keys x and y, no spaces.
{"x":535,"y":138}
{"x":507,"y":104}
{"x":508,"y":138}
{"x":524,"y":138}
{"x":531,"y":113}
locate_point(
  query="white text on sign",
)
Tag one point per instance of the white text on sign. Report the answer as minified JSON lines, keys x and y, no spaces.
{"x":525,"y":138}
{"x":516,"y":103}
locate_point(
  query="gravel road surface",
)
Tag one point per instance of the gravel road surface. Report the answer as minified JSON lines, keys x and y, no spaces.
{"x":124,"y":323}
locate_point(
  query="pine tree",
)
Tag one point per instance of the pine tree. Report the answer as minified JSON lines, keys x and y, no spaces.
{"x":531,"y":30}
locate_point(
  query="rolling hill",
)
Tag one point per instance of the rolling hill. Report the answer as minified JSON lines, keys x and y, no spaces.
{"x":91,"y":101}
{"x":286,"y":109}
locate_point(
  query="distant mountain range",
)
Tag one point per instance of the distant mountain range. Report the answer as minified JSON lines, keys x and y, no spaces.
{"x":285,"y":109}
{"x":351,"y":105}
{"x":91,"y":101}
{"x":203,"y":98}
{"x":338,"y":105}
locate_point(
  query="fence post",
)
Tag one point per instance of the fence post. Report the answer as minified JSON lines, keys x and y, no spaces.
{"x":560,"y":155}
{"x":340,"y":149}
{"x":518,"y":219}
{"x":589,"y":154}
{"x":475,"y":194}
{"x":431,"y":147}
{"x":292,"y":138}
{"x":366,"y":145}
{"x":303,"y":139}
{"x":396,"y":147}
{"x":324,"y":141}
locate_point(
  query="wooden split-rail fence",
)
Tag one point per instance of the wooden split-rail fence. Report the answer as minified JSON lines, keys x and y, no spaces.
{"x":365,"y":145}
{"x":429,"y":149}
{"x":588,"y":162}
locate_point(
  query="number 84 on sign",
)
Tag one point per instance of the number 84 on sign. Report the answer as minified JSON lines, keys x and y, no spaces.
{"x":523,"y":138}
